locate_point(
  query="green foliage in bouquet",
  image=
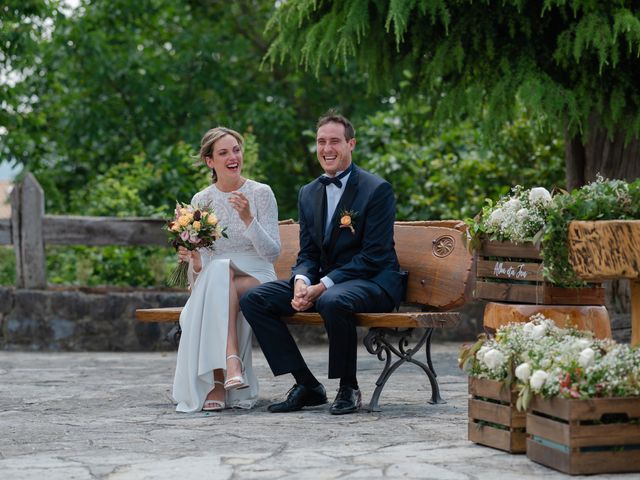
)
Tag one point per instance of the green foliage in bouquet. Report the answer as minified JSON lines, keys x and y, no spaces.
{"x":599,"y":200}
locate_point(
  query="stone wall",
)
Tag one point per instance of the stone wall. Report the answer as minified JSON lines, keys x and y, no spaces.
{"x":82,"y":319}
{"x":85,"y":319}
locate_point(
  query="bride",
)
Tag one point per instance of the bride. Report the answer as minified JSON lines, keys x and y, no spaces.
{"x":213,"y":369}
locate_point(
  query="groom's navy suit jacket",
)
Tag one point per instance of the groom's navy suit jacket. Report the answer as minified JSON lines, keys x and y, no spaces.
{"x":341,"y":255}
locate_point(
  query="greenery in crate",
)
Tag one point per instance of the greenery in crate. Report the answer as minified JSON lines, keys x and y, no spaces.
{"x":600,"y":200}
{"x":540,"y":358}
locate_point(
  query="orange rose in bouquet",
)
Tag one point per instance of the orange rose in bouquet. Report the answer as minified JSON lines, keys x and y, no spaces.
{"x":192,"y":228}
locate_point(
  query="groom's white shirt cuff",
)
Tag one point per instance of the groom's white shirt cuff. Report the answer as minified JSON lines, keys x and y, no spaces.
{"x":328,"y":283}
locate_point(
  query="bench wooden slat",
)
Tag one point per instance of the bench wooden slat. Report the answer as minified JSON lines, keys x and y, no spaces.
{"x":167,"y":314}
{"x":389,"y":320}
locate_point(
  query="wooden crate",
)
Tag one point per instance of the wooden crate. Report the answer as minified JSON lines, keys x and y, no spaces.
{"x":511,"y":272}
{"x":585,"y":436}
{"x":493,"y":418}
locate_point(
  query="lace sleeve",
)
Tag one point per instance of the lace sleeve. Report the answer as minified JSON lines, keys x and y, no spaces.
{"x":263,"y":230}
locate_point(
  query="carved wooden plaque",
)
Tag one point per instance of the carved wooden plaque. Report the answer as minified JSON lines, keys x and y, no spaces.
{"x":605,"y":249}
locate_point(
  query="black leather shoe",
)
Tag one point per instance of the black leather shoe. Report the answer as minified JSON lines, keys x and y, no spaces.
{"x":300,"y":396}
{"x":348,"y":400}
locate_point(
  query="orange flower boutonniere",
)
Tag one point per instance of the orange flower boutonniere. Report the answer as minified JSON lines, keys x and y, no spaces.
{"x":347,"y":220}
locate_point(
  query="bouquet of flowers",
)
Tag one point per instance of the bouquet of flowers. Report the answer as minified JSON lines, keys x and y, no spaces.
{"x":579,"y":368}
{"x":540,"y":358}
{"x":192,"y":228}
{"x":517,"y":217}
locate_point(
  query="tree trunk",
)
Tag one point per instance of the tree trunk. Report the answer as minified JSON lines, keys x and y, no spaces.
{"x":612,"y":158}
{"x":599,"y":154}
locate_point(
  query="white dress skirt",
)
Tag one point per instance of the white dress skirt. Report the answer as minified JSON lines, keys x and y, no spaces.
{"x":204,"y":323}
{"x":205,"y":318}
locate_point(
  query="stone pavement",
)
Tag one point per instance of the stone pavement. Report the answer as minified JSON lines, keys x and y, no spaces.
{"x":110,"y":416}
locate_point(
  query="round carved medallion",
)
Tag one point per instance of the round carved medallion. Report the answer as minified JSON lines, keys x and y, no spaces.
{"x":443,"y":246}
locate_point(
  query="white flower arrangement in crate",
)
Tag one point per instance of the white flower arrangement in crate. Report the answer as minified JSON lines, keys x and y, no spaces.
{"x":517,"y":217}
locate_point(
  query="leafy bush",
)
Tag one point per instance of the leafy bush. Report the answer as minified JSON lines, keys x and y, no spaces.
{"x":114,"y":265}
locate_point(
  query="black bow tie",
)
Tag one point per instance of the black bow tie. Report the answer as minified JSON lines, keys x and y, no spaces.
{"x":335,"y":180}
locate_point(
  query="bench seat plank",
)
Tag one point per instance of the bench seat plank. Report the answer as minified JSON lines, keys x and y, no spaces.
{"x":386,"y":320}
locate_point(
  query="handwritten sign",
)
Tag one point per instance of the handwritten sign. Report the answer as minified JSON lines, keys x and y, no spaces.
{"x":517,"y":272}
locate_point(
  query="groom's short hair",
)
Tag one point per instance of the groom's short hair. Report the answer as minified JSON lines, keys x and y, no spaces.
{"x":334,"y":117}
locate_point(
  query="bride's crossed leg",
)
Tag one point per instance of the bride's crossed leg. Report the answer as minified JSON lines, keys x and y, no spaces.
{"x":238,"y":285}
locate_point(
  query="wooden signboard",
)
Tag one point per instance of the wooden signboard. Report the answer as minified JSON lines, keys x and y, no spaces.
{"x":606,"y":250}
{"x":511,"y":272}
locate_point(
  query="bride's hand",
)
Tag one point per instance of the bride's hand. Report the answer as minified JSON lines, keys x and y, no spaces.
{"x":185,"y":255}
{"x":241,"y":204}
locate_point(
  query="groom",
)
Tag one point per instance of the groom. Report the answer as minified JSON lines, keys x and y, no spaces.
{"x":346,"y":265}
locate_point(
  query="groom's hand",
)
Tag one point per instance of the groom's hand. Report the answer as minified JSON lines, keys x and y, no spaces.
{"x":300,"y":302}
{"x":314,"y":291}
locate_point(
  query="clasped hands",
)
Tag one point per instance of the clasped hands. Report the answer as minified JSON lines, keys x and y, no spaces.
{"x":304,"y":296}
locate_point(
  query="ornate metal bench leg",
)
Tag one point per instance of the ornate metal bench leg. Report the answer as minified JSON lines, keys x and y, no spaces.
{"x":428,"y":351}
{"x":174,"y":334}
{"x":378,"y":343}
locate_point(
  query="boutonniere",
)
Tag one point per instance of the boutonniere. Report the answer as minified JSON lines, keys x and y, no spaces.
{"x":348,"y":220}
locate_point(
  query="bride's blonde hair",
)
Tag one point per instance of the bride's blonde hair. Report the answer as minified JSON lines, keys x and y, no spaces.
{"x":209,"y":140}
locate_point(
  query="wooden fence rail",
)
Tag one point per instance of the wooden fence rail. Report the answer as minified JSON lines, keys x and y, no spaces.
{"x":29,"y":230}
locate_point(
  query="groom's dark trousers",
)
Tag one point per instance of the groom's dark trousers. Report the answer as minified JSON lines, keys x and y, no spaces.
{"x":265,"y":305}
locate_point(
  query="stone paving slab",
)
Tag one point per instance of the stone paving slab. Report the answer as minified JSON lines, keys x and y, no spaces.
{"x":110,"y":416}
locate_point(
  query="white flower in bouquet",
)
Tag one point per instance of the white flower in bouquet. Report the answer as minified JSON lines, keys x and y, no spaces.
{"x":580,"y":344}
{"x":527,"y":328}
{"x":539,"y":195}
{"x":539,"y":331}
{"x":537,"y":379}
{"x":513,"y":204}
{"x":496,"y":218}
{"x":494,"y":359}
{"x":523,"y":372}
{"x":480,"y":355}
{"x":586,"y":357}
{"x":522,"y":214}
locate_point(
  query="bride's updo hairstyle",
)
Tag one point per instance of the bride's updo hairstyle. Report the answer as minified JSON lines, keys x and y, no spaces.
{"x":208,"y":142}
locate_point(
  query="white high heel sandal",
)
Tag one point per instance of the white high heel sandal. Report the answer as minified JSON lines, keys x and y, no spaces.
{"x":238,"y":382}
{"x":214,"y":405}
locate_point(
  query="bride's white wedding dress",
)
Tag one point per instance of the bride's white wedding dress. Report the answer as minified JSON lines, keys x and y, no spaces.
{"x":205,"y":318}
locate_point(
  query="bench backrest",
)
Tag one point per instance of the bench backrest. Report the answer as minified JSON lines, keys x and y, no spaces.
{"x":433,"y":253}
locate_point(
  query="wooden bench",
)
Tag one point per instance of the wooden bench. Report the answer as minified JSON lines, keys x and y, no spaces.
{"x":439,"y":267}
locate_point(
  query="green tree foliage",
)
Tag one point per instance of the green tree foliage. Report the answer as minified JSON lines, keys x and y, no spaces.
{"x":118,"y":80}
{"x":447,"y":170}
{"x":573,"y":61}
{"x":107,"y":103}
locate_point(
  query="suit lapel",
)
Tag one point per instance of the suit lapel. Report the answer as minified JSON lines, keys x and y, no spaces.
{"x":350,"y":191}
{"x":319,"y":211}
